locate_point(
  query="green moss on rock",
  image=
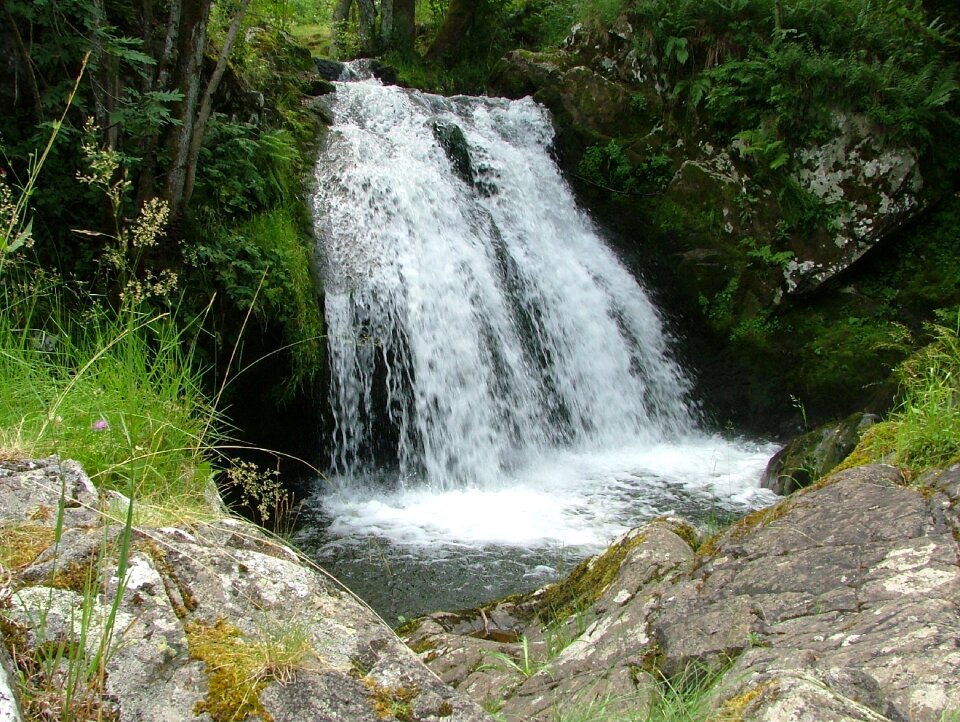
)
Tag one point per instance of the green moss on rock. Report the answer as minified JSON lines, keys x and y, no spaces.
{"x":587,"y":582}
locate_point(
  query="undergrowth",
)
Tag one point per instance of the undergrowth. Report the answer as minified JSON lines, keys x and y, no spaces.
{"x":923,"y":431}
{"x":685,"y":697}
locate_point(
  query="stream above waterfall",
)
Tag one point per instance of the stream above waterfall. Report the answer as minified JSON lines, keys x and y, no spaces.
{"x":503,"y":393}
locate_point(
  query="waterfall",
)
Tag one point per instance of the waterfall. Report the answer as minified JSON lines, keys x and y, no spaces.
{"x":475,"y":317}
{"x":503,"y":397}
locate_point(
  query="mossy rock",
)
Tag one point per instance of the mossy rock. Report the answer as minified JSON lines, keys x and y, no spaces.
{"x":811,"y":456}
{"x":587,"y":582}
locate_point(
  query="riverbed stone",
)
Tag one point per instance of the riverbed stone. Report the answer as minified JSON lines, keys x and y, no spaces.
{"x":839,"y":603}
{"x":218,"y":589}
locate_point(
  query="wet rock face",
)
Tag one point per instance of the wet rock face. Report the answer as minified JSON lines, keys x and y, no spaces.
{"x":838,"y":603}
{"x":213,"y":619}
{"x":454,"y":144}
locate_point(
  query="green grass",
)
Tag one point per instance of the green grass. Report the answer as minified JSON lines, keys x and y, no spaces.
{"x":114,"y":390}
{"x":928,"y":419}
{"x":524,"y":663}
{"x":685,"y":697}
{"x":314,"y":36}
{"x":923,"y":431}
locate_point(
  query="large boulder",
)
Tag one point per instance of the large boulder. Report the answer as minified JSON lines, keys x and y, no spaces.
{"x":599,"y":87}
{"x":838,"y":603}
{"x":201,"y":620}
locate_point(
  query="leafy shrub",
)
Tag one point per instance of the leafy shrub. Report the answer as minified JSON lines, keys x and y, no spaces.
{"x":609,"y":167}
{"x":244,"y":168}
{"x":263,"y":263}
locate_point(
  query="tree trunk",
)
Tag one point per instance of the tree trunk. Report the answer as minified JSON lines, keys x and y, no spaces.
{"x":386,"y":23}
{"x":338,"y":27}
{"x":457,"y":22}
{"x":147,"y":180}
{"x":104,"y":80}
{"x":404,"y":32}
{"x":206,"y":105}
{"x":368,"y":21}
{"x":192,"y":38}
{"x":26,"y":65}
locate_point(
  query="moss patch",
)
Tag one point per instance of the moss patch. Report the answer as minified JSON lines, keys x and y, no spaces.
{"x":588,"y":580}
{"x":877,"y":445}
{"x":239,"y":669}
{"x":424,"y":645}
{"x":732,"y":710}
{"x":392,"y":702}
{"x":21,"y":543}
{"x":80,"y":575}
{"x":235,"y":686}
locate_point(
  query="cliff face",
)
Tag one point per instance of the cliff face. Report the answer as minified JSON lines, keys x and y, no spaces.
{"x":753,"y":232}
{"x":204,"y":619}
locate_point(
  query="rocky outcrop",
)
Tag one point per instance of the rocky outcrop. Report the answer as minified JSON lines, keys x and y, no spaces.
{"x":599,"y":87}
{"x":841,"y":602}
{"x":205,"y":619}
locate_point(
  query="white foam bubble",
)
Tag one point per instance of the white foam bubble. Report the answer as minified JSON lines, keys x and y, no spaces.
{"x":575,"y":499}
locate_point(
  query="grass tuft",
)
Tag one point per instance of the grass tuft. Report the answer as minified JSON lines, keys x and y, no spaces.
{"x":924,"y":430}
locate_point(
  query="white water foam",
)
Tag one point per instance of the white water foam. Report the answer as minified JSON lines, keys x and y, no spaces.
{"x":475,"y":322}
{"x":572,"y":499}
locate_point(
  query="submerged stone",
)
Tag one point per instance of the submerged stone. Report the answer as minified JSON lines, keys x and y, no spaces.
{"x":454,"y":144}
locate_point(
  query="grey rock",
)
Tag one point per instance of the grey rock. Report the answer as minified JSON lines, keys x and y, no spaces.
{"x":328,"y":69}
{"x":223,"y":578}
{"x":9,"y":708}
{"x":810,"y":456}
{"x":839,"y":603}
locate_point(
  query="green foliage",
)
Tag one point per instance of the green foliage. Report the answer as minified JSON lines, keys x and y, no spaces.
{"x":609,"y":167}
{"x":765,"y":254}
{"x":245,"y":168}
{"x":775,"y":89}
{"x":685,"y":696}
{"x":758,"y":142}
{"x":115,"y":392}
{"x":928,"y":419}
{"x":114,"y":388}
{"x":720,"y":307}
{"x":264,"y":264}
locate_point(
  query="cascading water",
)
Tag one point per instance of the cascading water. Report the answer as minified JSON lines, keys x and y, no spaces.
{"x":500,"y":383}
